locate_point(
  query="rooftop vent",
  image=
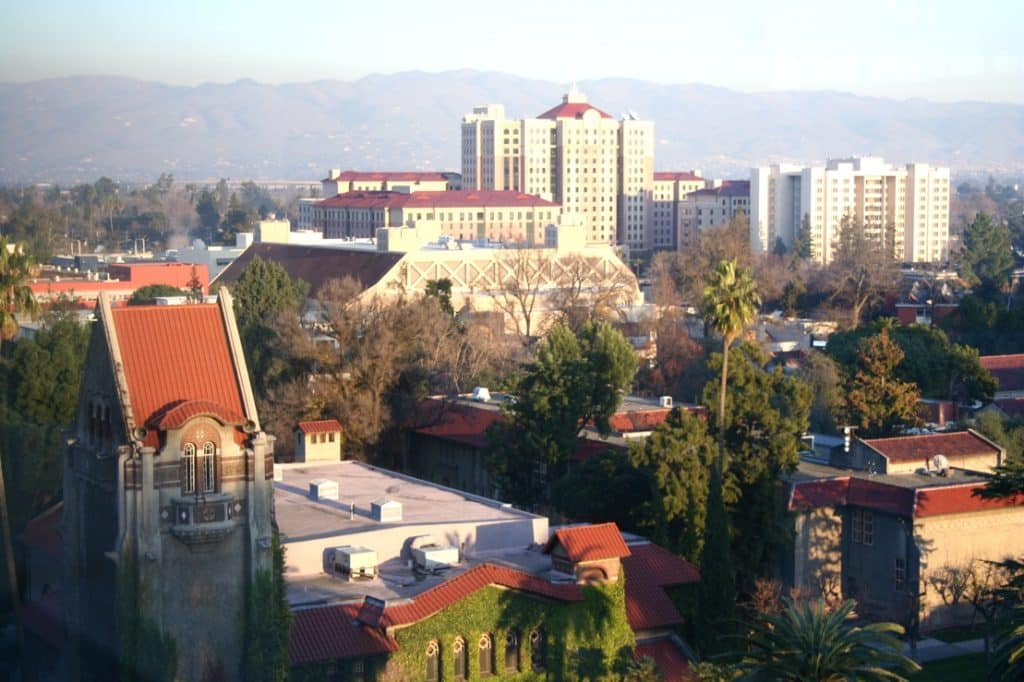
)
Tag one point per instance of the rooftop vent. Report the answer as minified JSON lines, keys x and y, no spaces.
{"x":665,"y":401}
{"x":353,"y":562}
{"x":481,"y":394}
{"x":432,"y":557}
{"x":386,"y":511}
{"x":323,"y":489}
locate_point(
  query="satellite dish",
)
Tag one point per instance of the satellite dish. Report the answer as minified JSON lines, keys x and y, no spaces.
{"x":940,"y":463}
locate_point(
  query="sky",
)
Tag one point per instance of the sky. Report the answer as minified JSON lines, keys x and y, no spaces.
{"x":939,"y":49}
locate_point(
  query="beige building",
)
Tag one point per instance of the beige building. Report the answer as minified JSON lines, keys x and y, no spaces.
{"x":575,"y":154}
{"x":909,"y":205}
{"x":670,"y":189}
{"x":472,"y":215}
{"x":710,"y":207}
{"x":340,"y":182}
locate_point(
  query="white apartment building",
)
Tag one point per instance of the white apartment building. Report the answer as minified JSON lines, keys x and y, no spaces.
{"x":908,"y":204}
{"x":573,"y":154}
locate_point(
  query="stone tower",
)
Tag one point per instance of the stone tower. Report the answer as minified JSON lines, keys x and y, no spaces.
{"x":167,"y":490}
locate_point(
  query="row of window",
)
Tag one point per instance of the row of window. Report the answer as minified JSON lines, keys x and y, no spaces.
{"x":485,"y":655}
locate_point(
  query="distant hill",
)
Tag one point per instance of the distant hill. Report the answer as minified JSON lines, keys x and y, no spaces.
{"x":78,"y":128}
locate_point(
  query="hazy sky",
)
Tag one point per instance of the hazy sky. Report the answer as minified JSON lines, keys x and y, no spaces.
{"x":939,"y":49}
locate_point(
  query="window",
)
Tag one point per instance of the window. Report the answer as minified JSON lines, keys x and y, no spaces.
{"x":433,"y":662}
{"x":460,"y":654}
{"x":188,"y":469}
{"x":538,"y":650}
{"x":899,"y":574}
{"x":206,"y":468}
{"x":862,"y":529}
{"x":512,"y":652}
{"x":869,"y":528}
{"x":486,"y":655}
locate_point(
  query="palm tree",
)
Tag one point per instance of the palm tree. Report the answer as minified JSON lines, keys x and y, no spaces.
{"x":15,"y":270}
{"x":1009,"y":657}
{"x":730,"y":304}
{"x":809,"y":643}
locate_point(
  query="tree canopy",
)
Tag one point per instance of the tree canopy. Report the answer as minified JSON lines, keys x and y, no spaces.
{"x":876,"y":402}
{"x":986,"y":260}
{"x":148,"y":294}
{"x":862,"y":269}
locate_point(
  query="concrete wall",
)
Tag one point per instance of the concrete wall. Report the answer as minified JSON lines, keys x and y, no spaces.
{"x":817,"y":552}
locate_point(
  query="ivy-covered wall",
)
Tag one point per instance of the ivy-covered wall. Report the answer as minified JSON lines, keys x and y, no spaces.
{"x":588,"y":640}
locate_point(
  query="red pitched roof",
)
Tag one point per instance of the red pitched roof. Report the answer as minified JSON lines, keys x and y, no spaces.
{"x":959,"y":499}
{"x":477,"y":198}
{"x":921,"y":448}
{"x":320,"y":426}
{"x":829,"y":492}
{"x":571,"y":110}
{"x":590,"y":542}
{"x":43,"y":532}
{"x":640,"y":420}
{"x":648,"y":569}
{"x":461,"y":423}
{"x":173,"y":354}
{"x":1007,"y":369}
{"x":675,"y":176}
{"x":331,"y":632}
{"x":672,"y":664}
{"x":178,"y":415}
{"x":461,"y":586}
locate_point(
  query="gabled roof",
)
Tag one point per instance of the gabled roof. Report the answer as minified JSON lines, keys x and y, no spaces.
{"x":921,"y":448}
{"x":324,"y":634}
{"x":649,"y":569}
{"x":589,"y":542}
{"x":571,"y":110}
{"x":457,"y":422}
{"x":461,"y":586}
{"x":42,"y":533}
{"x":187,"y":409}
{"x":172,"y":355}
{"x":321,"y":426}
{"x":315,"y":265}
{"x":639,"y":420}
{"x":1007,"y":369}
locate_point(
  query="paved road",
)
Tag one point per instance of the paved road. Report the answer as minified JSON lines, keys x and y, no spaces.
{"x":929,"y":650}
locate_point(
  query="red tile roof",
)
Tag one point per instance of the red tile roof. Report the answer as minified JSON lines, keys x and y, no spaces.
{"x":321,"y":426}
{"x":589,"y":542}
{"x":888,"y":499}
{"x":178,"y":415}
{"x":829,"y":492}
{"x":461,"y":423}
{"x":959,"y":499}
{"x":1007,"y":369}
{"x":323,"y":634}
{"x":476,"y":198}
{"x":172,"y":354}
{"x":921,"y":448}
{"x":672,"y":663}
{"x":571,"y":110}
{"x":640,"y":420}
{"x":676,"y":176}
{"x":728,"y":188}
{"x":43,"y":532}
{"x":390,"y":176}
{"x":461,"y":586}
{"x":649,"y":569}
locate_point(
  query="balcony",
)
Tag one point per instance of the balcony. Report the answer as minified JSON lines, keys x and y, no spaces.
{"x":204,"y":519}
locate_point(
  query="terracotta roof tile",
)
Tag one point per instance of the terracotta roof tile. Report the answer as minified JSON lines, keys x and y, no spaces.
{"x":878,"y":496}
{"x":648,"y":569}
{"x":921,"y":448}
{"x":648,"y":607}
{"x":321,"y":426}
{"x":672,"y":663}
{"x":463,"y":585}
{"x":675,"y":176}
{"x":640,"y":420}
{"x":1007,"y":369}
{"x":42,"y":533}
{"x":175,"y":417}
{"x":461,"y":423}
{"x":590,"y":542}
{"x":173,"y":354}
{"x":324,"y":634}
{"x":829,"y":492}
{"x":571,"y":110}
{"x":958,"y":499}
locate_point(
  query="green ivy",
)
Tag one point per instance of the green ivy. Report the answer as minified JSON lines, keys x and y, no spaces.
{"x":587,"y":640}
{"x":147,"y":654}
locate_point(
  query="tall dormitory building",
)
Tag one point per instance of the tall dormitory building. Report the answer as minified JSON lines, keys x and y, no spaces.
{"x":909,"y":204}
{"x":573,"y":154}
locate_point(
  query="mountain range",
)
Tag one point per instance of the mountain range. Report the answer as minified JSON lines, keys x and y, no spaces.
{"x":78,"y":128}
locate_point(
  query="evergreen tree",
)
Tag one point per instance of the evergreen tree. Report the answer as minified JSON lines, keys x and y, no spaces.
{"x":267,"y":623}
{"x":876,"y":402}
{"x":986,"y":260}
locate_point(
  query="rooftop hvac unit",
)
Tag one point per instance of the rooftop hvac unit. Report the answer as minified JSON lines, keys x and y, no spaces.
{"x":323,"y":489}
{"x":386,"y":511}
{"x":430,"y":557}
{"x":354,"y":562}
{"x":481,"y":394}
{"x":665,"y":401}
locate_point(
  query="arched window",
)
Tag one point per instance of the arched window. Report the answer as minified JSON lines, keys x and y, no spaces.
{"x":486,"y":654}
{"x":188,"y":469}
{"x":207,"y":470}
{"x":511,"y":652}
{"x":461,"y":658}
{"x":433,"y":662}
{"x":538,"y":650}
